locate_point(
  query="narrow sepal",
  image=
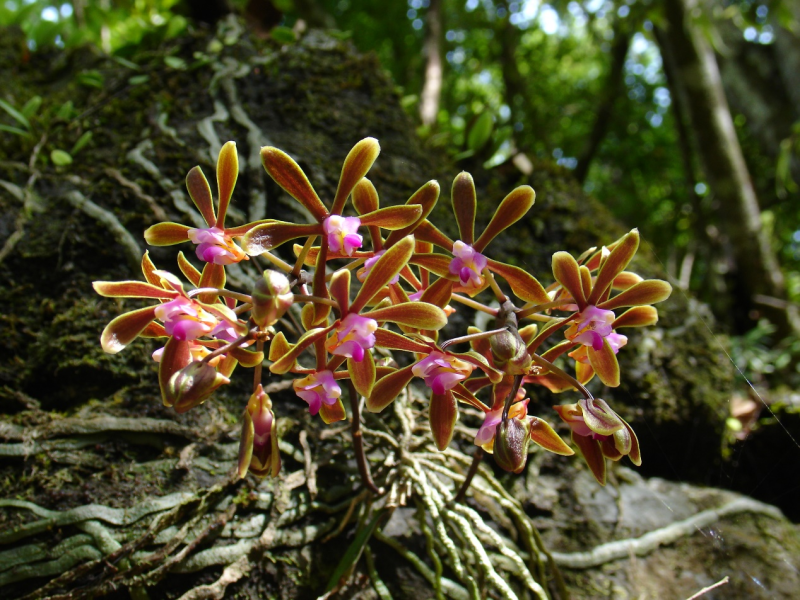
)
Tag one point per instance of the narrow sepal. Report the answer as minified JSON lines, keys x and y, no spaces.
{"x":604,"y":362}
{"x":188,"y":269}
{"x":511,"y":209}
{"x":149,"y":269}
{"x":625,"y":280}
{"x":278,"y":347}
{"x":285,"y":362}
{"x":592,"y":455}
{"x":388,"y":388}
{"x":213,"y":276}
{"x":358,"y":162}
{"x":649,"y":291}
{"x":443,"y":415}
{"x":426,"y":197}
{"x":365,"y":197}
{"x":524,"y":285}
{"x":542,"y":434}
{"x":638,"y":316}
{"x":125,"y":328}
{"x":176,"y":356}
{"x":362,"y":374}
{"x":271,"y":235}
{"x":392,"y":217}
{"x":428,"y":232}
{"x":614,"y":264}
{"x":464,"y":204}
{"x":388,"y":265}
{"x":568,"y":274}
{"x":131,"y":289}
{"x":438,"y":293}
{"x":385,"y":338}
{"x":332,"y":413}
{"x":438,"y":264}
{"x":247,"y":358}
{"x":288,"y":174}
{"x":200,"y":193}
{"x":420,"y":315}
{"x":227,"y":173}
{"x":166,"y":234}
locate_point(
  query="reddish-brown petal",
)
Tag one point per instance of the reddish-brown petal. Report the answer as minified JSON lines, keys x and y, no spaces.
{"x":388,"y":265}
{"x":246,"y":358}
{"x":358,"y":162}
{"x":545,"y":333}
{"x":419,"y":315}
{"x":480,"y":361}
{"x":285,"y":362}
{"x":362,"y":374}
{"x":213,"y":275}
{"x":557,"y":350}
{"x":200,"y":192}
{"x":634,"y":454}
{"x":271,"y":235}
{"x":166,"y":234}
{"x":435,"y":263}
{"x":176,"y":355}
{"x":332,"y":413}
{"x":638,"y":316}
{"x":438,"y":293}
{"x":227,"y":173}
{"x":154,"y":330}
{"x":384,"y":338}
{"x":365,"y":197}
{"x":392,"y":217}
{"x":586,"y":281}
{"x":426,"y":197}
{"x":288,"y":174}
{"x":132,"y":289}
{"x":524,"y":285}
{"x":442,"y":416}
{"x":544,"y":435}
{"x":188,"y":269}
{"x":511,"y":209}
{"x":340,"y":289}
{"x":149,"y":269}
{"x":609,"y":450}
{"x":126,"y":328}
{"x":604,"y":362}
{"x":461,"y":392}
{"x":464,"y":203}
{"x":590,"y":450}
{"x":625,"y":280}
{"x":649,"y":291}
{"x":243,"y":229}
{"x":388,"y":388}
{"x":278,"y":347}
{"x":568,"y":274}
{"x":616,"y":262}
{"x":427,"y":232}
{"x":583,"y":373}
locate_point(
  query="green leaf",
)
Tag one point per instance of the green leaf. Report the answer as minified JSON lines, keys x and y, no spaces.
{"x":481,"y":131}
{"x":60,"y":158}
{"x":139,"y":79}
{"x":14,"y":130}
{"x":175,"y":62}
{"x":350,"y":558}
{"x":125,"y":62}
{"x":31,"y":106}
{"x":82,"y":141}
{"x":15,"y":114}
{"x":91,"y":78}
{"x":66,"y":111}
{"x":284,"y":35}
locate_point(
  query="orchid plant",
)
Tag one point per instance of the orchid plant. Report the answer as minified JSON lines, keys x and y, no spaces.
{"x":408,"y":277}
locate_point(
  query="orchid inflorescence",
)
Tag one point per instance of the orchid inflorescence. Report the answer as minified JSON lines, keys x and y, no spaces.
{"x":409,"y":277}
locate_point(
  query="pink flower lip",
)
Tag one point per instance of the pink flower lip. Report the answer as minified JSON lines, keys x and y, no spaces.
{"x":342,"y":234}
{"x":593,"y":324}
{"x":215,"y":246}
{"x":353,"y":336}
{"x":318,"y":389}
{"x":441,"y":372}
{"x":184,"y":320}
{"x":468,"y":264}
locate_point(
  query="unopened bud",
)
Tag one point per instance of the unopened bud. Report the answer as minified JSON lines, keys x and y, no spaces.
{"x":272,"y":297}
{"x":258,"y":446}
{"x":192,"y":385}
{"x":510,"y":353}
{"x":511,"y":444}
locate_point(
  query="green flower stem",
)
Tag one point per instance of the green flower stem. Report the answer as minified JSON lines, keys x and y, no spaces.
{"x":529,"y":311}
{"x":282,"y":265}
{"x":235,"y":344}
{"x":501,"y":297}
{"x":473,"y":304}
{"x":316,"y":299}
{"x":219,"y":292}
{"x":358,"y":442}
{"x":511,"y":396}
{"x":349,"y":266}
{"x":301,"y":258}
{"x":473,"y":468}
{"x":472,"y":337}
{"x":543,"y":362}
{"x":258,"y":368}
{"x":242,"y":308}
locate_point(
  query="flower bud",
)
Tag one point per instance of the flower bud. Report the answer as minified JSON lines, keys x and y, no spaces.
{"x":258,"y":446}
{"x":192,"y":385}
{"x":272,"y":297}
{"x":511,"y":444}
{"x":510,"y":353}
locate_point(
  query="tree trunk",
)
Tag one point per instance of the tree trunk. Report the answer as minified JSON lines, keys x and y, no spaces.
{"x":758,"y":271}
{"x":434,"y":67}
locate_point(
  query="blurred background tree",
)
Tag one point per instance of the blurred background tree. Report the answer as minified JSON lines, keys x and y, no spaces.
{"x":683,"y":116}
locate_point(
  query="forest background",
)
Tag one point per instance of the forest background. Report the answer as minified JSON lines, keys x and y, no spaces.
{"x":689,"y":133}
